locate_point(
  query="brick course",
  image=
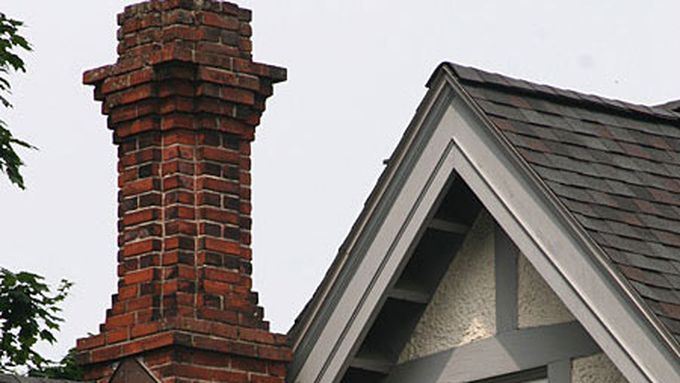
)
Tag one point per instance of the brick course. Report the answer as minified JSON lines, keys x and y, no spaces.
{"x":183,"y":101}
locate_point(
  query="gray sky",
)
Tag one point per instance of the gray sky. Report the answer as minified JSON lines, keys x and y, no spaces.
{"x":357,"y":71}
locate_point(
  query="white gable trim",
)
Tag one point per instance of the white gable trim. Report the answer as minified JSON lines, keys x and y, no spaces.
{"x":450,"y":135}
{"x":386,"y":250}
{"x":564,"y":260}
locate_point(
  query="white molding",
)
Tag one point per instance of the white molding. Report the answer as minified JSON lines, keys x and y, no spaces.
{"x":365,"y":290}
{"x":567,"y":264}
{"x":506,"y":353}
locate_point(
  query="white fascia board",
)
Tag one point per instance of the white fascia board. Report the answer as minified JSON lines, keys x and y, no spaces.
{"x":382,"y":257}
{"x":567,"y":262}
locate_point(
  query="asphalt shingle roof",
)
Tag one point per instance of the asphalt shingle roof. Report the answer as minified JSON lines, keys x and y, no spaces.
{"x":614,"y":165}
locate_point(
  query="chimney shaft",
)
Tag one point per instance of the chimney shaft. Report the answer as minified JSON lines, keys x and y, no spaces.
{"x":183,"y":101}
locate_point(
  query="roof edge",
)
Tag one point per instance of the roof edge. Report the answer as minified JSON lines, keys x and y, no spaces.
{"x":644,"y":312}
{"x":482,"y":78}
{"x":309,"y":311}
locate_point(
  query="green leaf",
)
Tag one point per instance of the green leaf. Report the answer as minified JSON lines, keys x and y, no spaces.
{"x":28,"y":314}
{"x":10,"y":41}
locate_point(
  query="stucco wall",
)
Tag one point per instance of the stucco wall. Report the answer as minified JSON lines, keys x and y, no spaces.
{"x":462,"y":309}
{"x":597,"y":368}
{"x":537,"y":304}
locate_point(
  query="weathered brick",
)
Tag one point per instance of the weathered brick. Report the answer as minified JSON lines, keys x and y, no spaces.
{"x":214,"y":244}
{"x":140,"y":276}
{"x":183,"y":101}
{"x":141,"y":247}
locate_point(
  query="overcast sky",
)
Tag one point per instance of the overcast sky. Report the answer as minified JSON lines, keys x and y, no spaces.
{"x":357,"y":71}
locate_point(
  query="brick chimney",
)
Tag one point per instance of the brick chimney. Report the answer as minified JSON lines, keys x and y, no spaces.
{"x":183,"y":101}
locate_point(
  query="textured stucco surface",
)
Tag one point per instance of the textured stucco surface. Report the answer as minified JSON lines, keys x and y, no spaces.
{"x":597,"y":368}
{"x":537,"y":304}
{"x":462,"y":309}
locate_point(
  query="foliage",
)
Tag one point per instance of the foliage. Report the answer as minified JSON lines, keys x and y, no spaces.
{"x":10,"y":41}
{"x":67,"y":368}
{"x":29,"y":312}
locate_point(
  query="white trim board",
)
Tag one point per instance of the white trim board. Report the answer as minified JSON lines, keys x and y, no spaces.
{"x":506,"y":353}
{"x":457,"y":138}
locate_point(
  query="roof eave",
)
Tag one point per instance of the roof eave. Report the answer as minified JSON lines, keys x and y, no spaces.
{"x":645,"y":315}
{"x":310,"y":312}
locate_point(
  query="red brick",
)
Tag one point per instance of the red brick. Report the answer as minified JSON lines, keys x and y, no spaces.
{"x":141,"y":216}
{"x":141,"y":247}
{"x":179,"y":242}
{"x":221,"y":275}
{"x":219,"y":215}
{"x":91,"y":342}
{"x":135,"y":94}
{"x":118,"y":335}
{"x":182,"y":167}
{"x":256,"y":335}
{"x":177,"y":104}
{"x":179,"y":137}
{"x":140,"y":276}
{"x":137,"y":126}
{"x":144,"y":329}
{"x":214,"y":287}
{"x":227,"y":247}
{"x":277,"y":369}
{"x":219,"y":21}
{"x":223,"y":330}
{"x":217,"y":49}
{"x":249,"y":364}
{"x":182,"y":152}
{"x":180,"y":227}
{"x":219,"y":155}
{"x":127,"y":292}
{"x":275,"y":353}
{"x":231,"y":125}
{"x":218,"y":315}
{"x":141,"y":76}
{"x":139,"y":303}
{"x":116,"y":83}
{"x":183,"y":101}
{"x":266,"y":379}
{"x":212,"y":375}
{"x":179,"y":196}
{"x":177,"y":51}
{"x":141,"y":186}
{"x":217,"y":185}
{"x":96,"y":75}
{"x":180,"y":32}
{"x":120,"y":320}
{"x":178,"y":182}
{"x":177,"y":121}
{"x":108,"y":353}
{"x":179,"y":212}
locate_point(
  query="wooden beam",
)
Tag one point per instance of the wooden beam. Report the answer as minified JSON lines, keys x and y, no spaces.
{"x":505,"y":353}
{"x":448,"y":226}
{"x":560,"y":371}
{"x":506,"y":254}
{"x":409,"y":295}
{"x":372,"y":364}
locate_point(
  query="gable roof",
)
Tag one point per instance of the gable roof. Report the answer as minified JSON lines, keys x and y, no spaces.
{"x":522,"y":148}
{"x":614,"y":165}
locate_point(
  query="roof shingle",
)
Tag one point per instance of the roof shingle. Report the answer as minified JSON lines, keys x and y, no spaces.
{"x":614,"y":165}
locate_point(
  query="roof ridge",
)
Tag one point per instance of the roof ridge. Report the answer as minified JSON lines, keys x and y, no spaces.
{"x":495,"y":80}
